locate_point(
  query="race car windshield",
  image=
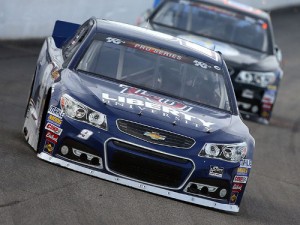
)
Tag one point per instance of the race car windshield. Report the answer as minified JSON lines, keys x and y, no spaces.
{"x":216,"y":23}
{"x":157,"y":70}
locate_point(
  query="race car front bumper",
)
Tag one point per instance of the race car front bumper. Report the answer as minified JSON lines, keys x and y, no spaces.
{"x":255,"y":103}
{"x":141,"y":186}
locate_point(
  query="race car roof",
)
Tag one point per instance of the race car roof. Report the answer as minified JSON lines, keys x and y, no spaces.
{"x":237,"y":6}
{"x":158,"y":39}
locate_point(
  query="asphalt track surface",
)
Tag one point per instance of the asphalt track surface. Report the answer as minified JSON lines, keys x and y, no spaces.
{"x":35,"y":192}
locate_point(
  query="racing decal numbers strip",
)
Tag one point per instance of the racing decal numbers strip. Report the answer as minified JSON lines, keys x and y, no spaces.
{"x":140,"y":186}
{"x":169,"y":54}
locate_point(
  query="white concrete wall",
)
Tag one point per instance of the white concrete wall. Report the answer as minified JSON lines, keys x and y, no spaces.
{"x":36,"y":18}
{"x":21,"y":19}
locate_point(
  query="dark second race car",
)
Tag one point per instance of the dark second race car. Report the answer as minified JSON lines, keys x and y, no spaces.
{"x":245,"y":37}
{"x":142,"y":109}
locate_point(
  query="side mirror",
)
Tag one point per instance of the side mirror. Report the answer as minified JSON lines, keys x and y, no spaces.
{"x":278,"y":53}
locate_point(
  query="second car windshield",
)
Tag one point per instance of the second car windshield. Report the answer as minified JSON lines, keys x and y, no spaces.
{"x":157,"y":70}
{"x":215,"y":22}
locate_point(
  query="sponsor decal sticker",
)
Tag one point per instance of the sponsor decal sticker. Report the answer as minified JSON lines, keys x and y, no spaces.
{"x":155,"y":104}
{"x":49,"y":146}
{"x":155,"y":99}
{"x":157,"y":51}
{"x":85,"y":134}
{"x":55,"y":120}
{"x":55,"y":75}
{"x":201,"y":64}
{"x":267,"y":106}
{"x":114,"y":40}
{"x":205,"y":65}
{"x":216,"y":171}
{"x":247,"y":163}
{"x":248,"y":94}
{"x":168,"y":54}
{"x":272,"y":87}
{"x":56,"y":111}
{"x":233,"y":197}
{"x":54,"y":129}
{"x":52,"y":137}
{"x":242,"y":171}
{"x":240,"y":179}
{"x":237,"y":187}
{"x":265,"y":114}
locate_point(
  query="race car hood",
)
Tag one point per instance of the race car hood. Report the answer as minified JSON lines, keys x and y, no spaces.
{"x":147,"y":104}
{"x":237,"y":56}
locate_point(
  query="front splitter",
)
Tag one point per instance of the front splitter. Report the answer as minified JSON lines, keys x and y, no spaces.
{"x":140,"y":186}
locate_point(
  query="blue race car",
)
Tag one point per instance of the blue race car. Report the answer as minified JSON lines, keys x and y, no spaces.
{"x":142,"y":109}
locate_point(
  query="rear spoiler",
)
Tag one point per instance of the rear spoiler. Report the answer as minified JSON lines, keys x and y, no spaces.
{"x":63,"y":31}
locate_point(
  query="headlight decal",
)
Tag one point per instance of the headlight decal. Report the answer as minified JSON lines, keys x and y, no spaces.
{"x":260,"y":79}
{"x":80,"y":112}
{"x":228,"y":152}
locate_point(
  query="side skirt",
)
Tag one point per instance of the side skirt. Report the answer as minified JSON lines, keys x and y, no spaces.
{"x":30,"y":128}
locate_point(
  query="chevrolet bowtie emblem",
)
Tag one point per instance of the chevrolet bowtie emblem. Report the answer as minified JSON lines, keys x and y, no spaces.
{"x":155,"y":136}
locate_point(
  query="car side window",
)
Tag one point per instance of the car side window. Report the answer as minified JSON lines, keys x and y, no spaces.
{"x":72,"y":45}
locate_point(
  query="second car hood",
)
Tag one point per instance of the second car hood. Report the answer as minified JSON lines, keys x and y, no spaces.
{"x":149,"y":104}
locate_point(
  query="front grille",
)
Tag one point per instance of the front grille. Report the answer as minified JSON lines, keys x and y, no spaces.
{"x":169,"y":139}
{"x":147,"y":166}
{"x":150,"y":153}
